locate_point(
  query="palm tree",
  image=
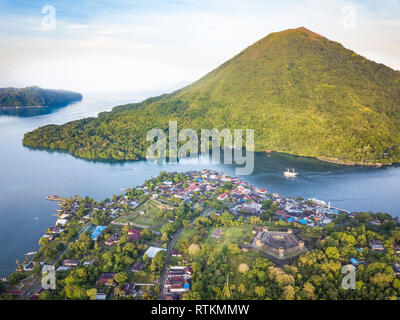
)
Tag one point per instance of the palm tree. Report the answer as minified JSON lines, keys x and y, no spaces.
{"x":226,"y":292}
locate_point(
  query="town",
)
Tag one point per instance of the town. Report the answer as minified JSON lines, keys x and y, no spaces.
{"x":154,"y":242}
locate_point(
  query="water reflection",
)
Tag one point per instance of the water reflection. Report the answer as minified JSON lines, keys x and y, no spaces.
{"x":27,"y":112}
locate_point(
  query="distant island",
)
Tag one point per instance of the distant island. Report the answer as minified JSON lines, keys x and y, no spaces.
{"x":302,"y":93}
{"x":31,"y":97}
{"x":205,"y":235}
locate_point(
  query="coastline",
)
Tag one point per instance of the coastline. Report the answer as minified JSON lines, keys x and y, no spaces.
{"x":331,"y":161}
{"x":378,"y":165}
{"x":22,"y":107}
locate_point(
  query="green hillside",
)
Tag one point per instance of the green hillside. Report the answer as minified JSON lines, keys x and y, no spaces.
{"x":35,"y":96}
{"x":302,"y":93}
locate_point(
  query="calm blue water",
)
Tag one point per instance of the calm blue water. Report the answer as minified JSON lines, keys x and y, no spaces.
{"x":27,"y":177}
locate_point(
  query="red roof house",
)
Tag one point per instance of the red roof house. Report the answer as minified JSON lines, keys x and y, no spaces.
{"x":134,"y":235}
{"x":107,"y":278}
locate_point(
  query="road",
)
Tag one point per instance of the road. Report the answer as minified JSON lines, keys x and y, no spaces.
{"x":38,"y":282}
{"x":169,"y":248}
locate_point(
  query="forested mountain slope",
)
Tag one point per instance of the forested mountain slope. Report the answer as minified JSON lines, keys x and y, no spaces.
{"x":302,"y":94}
{"x":35,"y":96}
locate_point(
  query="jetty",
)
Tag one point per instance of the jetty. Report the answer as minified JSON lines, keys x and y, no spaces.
{"x":30,"y":253}
{"x":53,"y":197}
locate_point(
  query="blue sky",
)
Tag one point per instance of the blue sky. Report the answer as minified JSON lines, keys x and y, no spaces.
{"x":160,"y":45}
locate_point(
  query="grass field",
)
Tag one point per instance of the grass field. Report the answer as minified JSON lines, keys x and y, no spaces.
{"x":236,"y":235}
{"x":145,"y":215}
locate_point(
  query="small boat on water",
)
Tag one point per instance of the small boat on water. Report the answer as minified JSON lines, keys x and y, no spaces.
{"x":30,"y":253}
{"x":290,"y":173}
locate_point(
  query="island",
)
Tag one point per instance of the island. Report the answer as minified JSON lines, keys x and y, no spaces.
{"x":302,"y":93}
{"x":206,"y":235}
{"x":35,"y":97}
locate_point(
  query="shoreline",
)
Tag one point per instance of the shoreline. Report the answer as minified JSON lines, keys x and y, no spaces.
{"x":352,"y":164}
{"x":337,"y":162}
{"x":23,"y":107}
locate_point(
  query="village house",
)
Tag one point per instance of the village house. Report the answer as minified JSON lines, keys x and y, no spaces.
{"x":63,"y":268}
{"x":107,"y":278}
{"x":396,"y":269}
{"x":101,"y":295}
{"x":217,"y":233}
{"x":71,"y":262}
{"x":113,"y":240}
{"x":138,"y":266}
{"x":178,"y":280}
{"x":57,"y":230}
{"x":175,"y":253}
{"x":89,"y":262}
{"x":223,"y":196}
{"x":29,"y":266}
{"x":129,"y":289}
{"x":134,"y":235}
{"x":377,"y":245}
{"x":61,"y":222}
{"x":49,"y":237}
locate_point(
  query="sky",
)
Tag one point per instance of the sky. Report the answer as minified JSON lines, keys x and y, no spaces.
{"x":142,"y":45}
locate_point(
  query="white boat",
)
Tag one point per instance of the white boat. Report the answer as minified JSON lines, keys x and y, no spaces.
{"x":290,"y":173}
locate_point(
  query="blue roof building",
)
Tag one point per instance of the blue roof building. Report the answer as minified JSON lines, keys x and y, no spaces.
{"x":152,"y":251}
{"x":97,"y":231}
{"x":354,"y":262}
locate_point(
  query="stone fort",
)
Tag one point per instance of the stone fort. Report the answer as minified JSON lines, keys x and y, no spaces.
{"x":279,"y":244}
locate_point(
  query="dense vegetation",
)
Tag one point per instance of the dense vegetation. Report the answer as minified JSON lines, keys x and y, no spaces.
{"x":35,"y":96}
{"x":315,"y":275}
{"x":302,"y":93}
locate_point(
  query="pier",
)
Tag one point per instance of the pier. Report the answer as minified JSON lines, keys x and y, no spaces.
{"x":53,"y":197}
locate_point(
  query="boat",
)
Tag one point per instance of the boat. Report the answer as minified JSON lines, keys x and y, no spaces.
{"x":30,"y":253}
{"x":290,"y":173}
